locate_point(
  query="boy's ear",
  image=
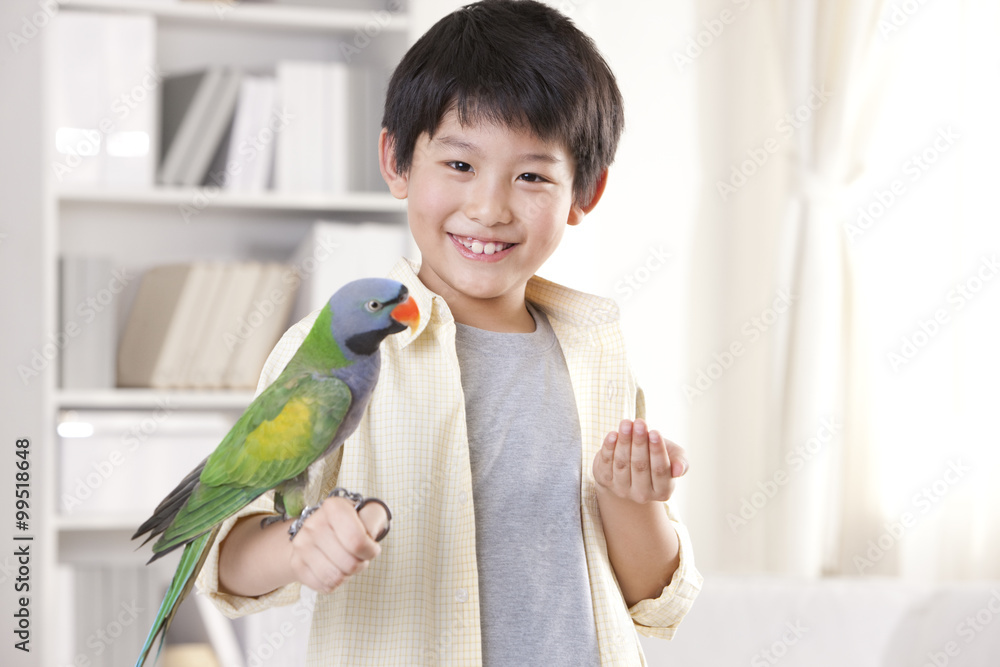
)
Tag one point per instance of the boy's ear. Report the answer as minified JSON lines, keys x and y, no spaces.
{"x":396,"y":180}
{"x":577,"y":212}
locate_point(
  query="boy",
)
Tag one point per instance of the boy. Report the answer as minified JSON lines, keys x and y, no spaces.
{"x":528,"y":525}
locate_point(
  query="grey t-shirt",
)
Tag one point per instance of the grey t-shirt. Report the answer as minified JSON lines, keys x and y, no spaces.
{"x":525,"y":449}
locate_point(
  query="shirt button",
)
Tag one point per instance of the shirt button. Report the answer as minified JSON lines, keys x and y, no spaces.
{"x":461,"y":594}
{"x":612,"y":390}
{"x":463,"y":497}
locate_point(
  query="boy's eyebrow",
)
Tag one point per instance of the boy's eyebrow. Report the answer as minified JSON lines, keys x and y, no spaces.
{"x":462,"y":145}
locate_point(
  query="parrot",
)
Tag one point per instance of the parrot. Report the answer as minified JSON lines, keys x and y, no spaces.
{"x":304,"y":415}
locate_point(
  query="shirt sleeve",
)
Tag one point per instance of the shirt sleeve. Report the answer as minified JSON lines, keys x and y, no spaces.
{"x":235,"y":606}
{"x":660,"y":617}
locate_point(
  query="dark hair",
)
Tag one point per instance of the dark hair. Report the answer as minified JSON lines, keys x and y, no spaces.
{"x":517,"y":63}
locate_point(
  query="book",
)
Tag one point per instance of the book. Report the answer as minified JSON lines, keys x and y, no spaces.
{"x":186,"y":104}
{"x":211,"y":297}
{"x":185,"y":326}
{"x":103,"y":99}
{"x":366,"y":91}
{"x":336,"y":131}
{"x":212,"y":130}
{"x":246,"y":158}
{"x":298,"y":159}
{"x":215,"y":349}
{"x":261,"y":325}
{"x":313,"y":152}
{"x":164,"y":292}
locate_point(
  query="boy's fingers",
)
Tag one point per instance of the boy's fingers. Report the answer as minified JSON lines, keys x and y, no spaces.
{"x":660,"y":462}
{"x":348,"y":530}
{"x":314,"y":548}
{"x":603,"y":462}
{"x":642,"y":484}
{"x":678,"y":459}
{"x":623,"y":459}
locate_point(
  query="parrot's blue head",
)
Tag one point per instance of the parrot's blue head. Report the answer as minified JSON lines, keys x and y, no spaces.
{"x":365,"y":311}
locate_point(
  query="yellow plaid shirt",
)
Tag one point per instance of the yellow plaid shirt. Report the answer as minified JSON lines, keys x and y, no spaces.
{"x":418,"y":602}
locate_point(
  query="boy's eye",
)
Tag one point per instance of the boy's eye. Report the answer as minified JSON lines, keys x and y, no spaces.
{"x":531,"y":178}
{"x":460,"y":166}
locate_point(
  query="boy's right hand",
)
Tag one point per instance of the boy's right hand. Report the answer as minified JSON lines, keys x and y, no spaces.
{"x":336,"y":542}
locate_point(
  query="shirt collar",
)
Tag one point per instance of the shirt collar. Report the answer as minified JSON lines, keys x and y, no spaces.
{"x":560,"y":303}
{"x":432,"y":307}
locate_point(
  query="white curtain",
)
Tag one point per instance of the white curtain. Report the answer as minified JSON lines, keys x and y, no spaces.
{"x":932,"y":294}
{"x":814,"y":447}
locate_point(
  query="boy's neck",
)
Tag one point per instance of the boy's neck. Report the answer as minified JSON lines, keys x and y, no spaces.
{"x":507,"y":313}
{"x":516,"y":320}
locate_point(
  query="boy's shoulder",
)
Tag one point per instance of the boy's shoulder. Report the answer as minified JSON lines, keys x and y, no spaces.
{"x":570,"y":306}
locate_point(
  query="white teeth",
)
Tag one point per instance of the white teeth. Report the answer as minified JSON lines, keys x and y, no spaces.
{"x":479,"y":248}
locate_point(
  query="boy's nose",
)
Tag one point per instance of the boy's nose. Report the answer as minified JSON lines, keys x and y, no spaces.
{"x":489,"y":203}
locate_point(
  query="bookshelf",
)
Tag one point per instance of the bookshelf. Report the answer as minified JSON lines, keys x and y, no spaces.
{"x":136,"y":228}
{"x":149,"y":399}
{"x":237,"y":14}
{"x":359,"y":202}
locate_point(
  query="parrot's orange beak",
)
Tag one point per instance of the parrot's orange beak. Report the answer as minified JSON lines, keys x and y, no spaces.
{"x":407,"y":313}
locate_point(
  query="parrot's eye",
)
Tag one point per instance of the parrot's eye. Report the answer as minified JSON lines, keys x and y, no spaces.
{"x":373,"y":306}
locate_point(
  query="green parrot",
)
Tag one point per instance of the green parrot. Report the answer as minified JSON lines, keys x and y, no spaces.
{"x":311,"y":408}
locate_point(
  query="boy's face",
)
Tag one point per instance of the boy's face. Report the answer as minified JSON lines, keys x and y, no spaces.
{"x":487,"y":206}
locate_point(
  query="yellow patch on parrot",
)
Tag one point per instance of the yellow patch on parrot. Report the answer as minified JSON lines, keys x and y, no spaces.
{"x":283,"y":437}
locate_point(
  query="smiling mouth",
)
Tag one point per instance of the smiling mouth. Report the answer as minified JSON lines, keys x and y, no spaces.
{"x":479,"y":247}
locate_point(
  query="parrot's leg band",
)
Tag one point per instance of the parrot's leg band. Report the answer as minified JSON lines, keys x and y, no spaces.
{"x":359,"y":502}
{"x":296,"y":526}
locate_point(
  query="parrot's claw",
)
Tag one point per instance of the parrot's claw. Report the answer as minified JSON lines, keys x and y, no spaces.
{"x":273,"y":518}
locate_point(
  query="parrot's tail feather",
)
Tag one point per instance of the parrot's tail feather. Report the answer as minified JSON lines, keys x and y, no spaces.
{"x":207,"y":508}
{"x":170,"y":506}
{"x":192,"y":560}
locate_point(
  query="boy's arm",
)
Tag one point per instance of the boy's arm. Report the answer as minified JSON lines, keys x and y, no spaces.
{"x":634,"y":472}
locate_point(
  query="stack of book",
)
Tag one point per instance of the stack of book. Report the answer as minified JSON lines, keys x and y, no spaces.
{"x":312,"y":127}
{"x":205,"y":325}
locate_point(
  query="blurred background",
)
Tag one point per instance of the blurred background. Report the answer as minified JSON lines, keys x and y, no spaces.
{"x":800,"y":229}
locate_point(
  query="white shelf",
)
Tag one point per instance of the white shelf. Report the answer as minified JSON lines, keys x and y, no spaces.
{"x":139,"y":228}
{"x":243,"y":14}
{"x":99,"y":522}
{"x":151,"y":399}
{"x":365,"y":202}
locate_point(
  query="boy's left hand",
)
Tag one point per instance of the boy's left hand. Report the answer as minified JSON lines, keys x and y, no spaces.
{"x":637,"y":464}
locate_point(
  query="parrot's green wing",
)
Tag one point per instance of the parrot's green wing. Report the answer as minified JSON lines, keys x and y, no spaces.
{"x":283,"y":431}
